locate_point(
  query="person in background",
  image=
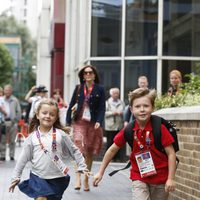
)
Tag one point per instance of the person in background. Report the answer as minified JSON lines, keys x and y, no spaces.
{"x":88,"y":100}
{"x":175,"y":78}
{"x":114,"y":119}
{"x":13,"y":115}
{"x":2,"y":114}
{"x":2,"y":107}
{"x":154,"y":178}
{"x":40,"y":93}
{"x":142,"y":83}
{"x":31,"y":93}
{"x":58,"y":98}
{"x":61,"y":104}
{"x":48,"y":147}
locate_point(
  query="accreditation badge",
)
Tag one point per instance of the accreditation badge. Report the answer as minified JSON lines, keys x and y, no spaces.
{"x":145,"y":164}
{"x":60,"y":164}
{"x":86,"y":114}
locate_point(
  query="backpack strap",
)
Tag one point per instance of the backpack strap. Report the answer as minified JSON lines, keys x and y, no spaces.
{"x":117,"y":170}
{"x":128,"y":133}
{"x":156,"y":122}
{"x":128,"y":136}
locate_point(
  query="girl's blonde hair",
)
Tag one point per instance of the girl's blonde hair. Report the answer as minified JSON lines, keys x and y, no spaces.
{"x":177,"y":73}
{"x":35,"y":122}
{"x":141,"y":92}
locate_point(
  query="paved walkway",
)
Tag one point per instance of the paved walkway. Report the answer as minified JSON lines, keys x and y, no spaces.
{"x":117,"y":187}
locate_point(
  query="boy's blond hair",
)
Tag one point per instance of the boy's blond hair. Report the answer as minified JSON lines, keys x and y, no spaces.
{"x":140,"y":92}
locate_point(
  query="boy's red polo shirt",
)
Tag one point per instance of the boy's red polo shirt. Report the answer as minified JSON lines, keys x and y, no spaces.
{"x":160,"y":159}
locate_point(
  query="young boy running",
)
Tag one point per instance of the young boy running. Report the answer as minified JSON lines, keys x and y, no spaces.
{"x":152,"y":172}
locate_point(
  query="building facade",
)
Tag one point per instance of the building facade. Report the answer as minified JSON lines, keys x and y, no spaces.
{"x":128,"y":38}
{"x":25,"y":11}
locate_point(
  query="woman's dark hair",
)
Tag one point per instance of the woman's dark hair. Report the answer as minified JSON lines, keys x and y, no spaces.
{"x":94,"y":69}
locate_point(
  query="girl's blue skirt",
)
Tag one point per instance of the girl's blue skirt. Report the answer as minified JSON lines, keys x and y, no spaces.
{"x":53,"y":189}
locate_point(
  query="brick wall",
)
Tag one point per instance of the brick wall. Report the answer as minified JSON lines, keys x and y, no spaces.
{"x":187,"y":119}
{"x":188,"y":172}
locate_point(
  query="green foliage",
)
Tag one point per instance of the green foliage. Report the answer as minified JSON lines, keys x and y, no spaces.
{"x":193,"y":86}
{"x":9,"y":26}
{"x":189,"y":95}
{"x":6,"y":66}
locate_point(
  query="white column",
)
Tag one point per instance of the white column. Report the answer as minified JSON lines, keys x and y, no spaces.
{"x":77,"y":42}
{"x":160,"y":46}
{"x":44,"y":60}
{"x":123,"y":50}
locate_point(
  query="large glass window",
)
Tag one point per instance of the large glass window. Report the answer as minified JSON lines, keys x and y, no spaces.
{"x":134,"y":69}
{"x":141,"y":27}
{"x":106,"y":27}
{"x":185,"y":67}
{"x":181,"y":36}
{"x":181,"y":28}
{"x":109,"y":72}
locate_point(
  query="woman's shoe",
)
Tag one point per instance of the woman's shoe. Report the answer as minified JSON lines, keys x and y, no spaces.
{"x":86,"y":185}
{"x":77,"y":188}
{"x":78,"y":181}
{"x":86,"y":189}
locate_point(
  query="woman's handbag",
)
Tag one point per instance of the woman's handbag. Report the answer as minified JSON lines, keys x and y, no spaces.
{"x":74,"y":108}
{"x":74,"y":112}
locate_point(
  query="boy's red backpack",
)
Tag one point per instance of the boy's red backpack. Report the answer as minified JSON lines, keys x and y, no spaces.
{"x":156,"y":122}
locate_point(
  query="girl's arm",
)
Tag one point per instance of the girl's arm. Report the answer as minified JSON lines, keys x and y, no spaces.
{"x":170,"y":183}
{"x":25,"y":156}
{"x":13,"y":184}
{"x":110,"y":153}
{"x":70,"y":149}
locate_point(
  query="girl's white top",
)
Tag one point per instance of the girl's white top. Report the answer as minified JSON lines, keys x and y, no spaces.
{"x":42,"y":164}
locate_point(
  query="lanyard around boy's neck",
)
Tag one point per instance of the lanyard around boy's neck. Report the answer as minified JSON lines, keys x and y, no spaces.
{"x":53,"y":145}
{"x":87,"y":91}
{"x":147,"y":139}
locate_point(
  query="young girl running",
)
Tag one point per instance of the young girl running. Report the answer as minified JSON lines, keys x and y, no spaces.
{"x":47,"y":147}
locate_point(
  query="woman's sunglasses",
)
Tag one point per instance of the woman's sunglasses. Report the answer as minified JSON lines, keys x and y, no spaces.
{"x":88,"y":72}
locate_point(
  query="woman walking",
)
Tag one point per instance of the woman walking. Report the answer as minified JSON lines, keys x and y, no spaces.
{"x":88,"y":102}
